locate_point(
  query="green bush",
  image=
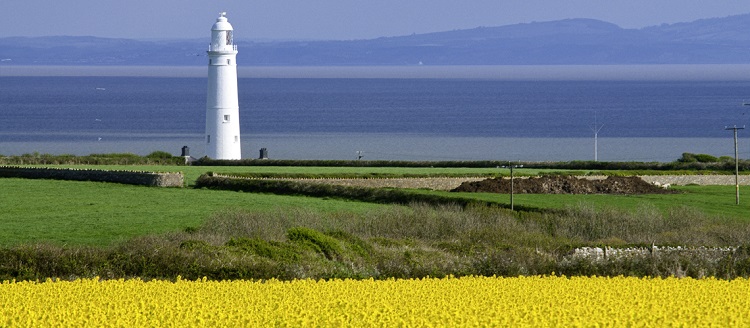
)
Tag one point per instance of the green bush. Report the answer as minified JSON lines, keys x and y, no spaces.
{"x":268,"y":249}
{"x":704,"y":158}
{"x":159,"y":155}
{"x":687,"y":158}
{"x":155,"y":158}
{"x":318,"y":241}
{"x":699,"y":158}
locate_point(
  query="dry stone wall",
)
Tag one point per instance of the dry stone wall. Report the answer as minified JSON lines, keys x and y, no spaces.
{"x":169,"y":179}
{"x":452,"y":183}
{"x":413,"y":183}
{"x":703,"y":180}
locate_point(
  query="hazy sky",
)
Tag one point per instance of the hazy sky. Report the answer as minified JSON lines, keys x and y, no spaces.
{"x":330,"y":19}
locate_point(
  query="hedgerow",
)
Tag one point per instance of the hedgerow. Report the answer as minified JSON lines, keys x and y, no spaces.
{"x":721,"y":167}
{"x":154,"y":158}
{"x":373,"y":195}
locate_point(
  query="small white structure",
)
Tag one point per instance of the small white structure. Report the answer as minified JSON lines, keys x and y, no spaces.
{"x":222,"y":106}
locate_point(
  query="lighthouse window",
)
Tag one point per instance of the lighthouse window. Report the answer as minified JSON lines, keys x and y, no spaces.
{"x":210,"y":61}
{"x":208,"y":138}
{"x":229,"y":37}
{"x":229,"y":62}
{"x":226,"y":118}
{"x":236,"y":138}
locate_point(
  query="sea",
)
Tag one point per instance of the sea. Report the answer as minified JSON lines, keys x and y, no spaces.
{"x":513,"y":113}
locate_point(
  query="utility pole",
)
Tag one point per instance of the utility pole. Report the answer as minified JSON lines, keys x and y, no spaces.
{"x":736,"y":164}
{"x":744,"y":104}
{"x":511,"y":166}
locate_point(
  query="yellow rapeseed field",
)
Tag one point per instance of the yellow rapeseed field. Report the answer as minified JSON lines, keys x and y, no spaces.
{"x":449,"y":302}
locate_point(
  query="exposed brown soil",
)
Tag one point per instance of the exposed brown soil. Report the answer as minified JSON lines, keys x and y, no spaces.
{"x":554,"y":184}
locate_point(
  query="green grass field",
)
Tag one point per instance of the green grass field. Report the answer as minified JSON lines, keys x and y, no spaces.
{"x":95,"y":213}
{"x":90,"y":213}
{"x":67,"y":229}
{"x":710,"y":200}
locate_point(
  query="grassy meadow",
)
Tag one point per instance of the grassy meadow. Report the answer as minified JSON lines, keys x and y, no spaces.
{"x":91,"y":213}
{"x":76,"y":229}
{"x":95,"y":213}
{"x":717,"y":201}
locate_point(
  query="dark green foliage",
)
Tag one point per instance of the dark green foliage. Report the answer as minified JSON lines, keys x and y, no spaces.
{"x":371,"y":175}
{"x":347,"y":163}
{"x":700,"y":158}
{"x":269,"y":249}
{"x":689,"y":161}
{"x":687,"y":158}
{"x":159,"y":155}
{"x":155,"y":158}
{"x":373,"y":195}
{"x":679,"y":164}
{"x":319,"y":242}
{"x":124,"y":177}
{"x":358,"y":246}
{"x":653,"y":167}
{"x":705,"y":158}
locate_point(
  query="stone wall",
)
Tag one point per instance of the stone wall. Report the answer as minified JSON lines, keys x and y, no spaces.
{"x":413,"y":183}
{"x":600,"y":254}
{"x":169,"y":179}
{"x":703,"y":180}
{"x":451,"y":183}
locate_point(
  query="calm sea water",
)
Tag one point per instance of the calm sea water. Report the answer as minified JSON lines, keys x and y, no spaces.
{"x":385,"y":118}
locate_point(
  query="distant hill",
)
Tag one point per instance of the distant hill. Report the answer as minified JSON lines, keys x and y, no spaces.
{"x":564,"y":42}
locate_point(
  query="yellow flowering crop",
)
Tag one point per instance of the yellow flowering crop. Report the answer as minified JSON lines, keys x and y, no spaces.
{"x":449,"y":302}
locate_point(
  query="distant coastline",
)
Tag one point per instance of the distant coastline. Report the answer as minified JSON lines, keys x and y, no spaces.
{"x":708,"y":72}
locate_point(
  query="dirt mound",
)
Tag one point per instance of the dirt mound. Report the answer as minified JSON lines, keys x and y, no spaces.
{"x":554,"y":184}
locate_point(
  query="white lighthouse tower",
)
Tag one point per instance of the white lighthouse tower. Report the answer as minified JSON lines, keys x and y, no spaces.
{"x":222,"y":106}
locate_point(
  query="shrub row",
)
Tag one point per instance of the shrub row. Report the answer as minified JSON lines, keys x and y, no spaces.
{"x":744,"y":165}
{"x":372,"y":195}
{"x":309,"y":253}
{"x":172,"y":179}
{"x":723,"y":166}
{"x":155,"y":158}
{"x":372,"y":175}
{"x":205,"y":161}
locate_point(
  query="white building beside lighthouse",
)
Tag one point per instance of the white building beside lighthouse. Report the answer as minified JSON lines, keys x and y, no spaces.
{"x":222,"y":106}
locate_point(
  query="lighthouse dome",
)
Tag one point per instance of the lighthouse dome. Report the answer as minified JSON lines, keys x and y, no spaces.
{"x":222,"y":24}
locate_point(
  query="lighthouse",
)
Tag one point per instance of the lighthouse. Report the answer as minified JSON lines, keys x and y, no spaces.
{"x":222,"y":106}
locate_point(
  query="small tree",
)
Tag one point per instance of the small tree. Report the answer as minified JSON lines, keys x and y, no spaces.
{"x":700,"y":158}
{"x":705,"y":158}
{"x":159,"y":155}
{"x":687,"y":158}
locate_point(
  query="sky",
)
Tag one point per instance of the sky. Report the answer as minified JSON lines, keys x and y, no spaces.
{"x":330,"y":19}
